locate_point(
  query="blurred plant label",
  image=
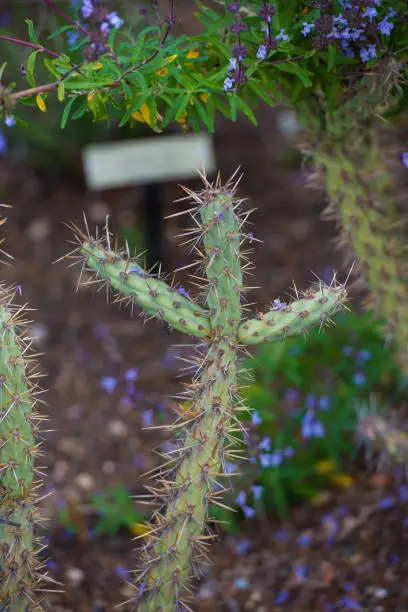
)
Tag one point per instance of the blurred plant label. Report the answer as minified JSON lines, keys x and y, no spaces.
{"x":147,"y":160}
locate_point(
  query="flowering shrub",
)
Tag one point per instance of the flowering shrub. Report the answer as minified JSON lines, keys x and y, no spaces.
{"x":288,"y":51}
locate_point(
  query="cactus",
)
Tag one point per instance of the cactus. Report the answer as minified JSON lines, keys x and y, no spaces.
{"x":351,"y":165}
{"x":189,"y":481}
{"x":20,"y":567}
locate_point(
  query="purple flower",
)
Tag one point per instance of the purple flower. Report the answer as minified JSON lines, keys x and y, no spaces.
{"x":304,"y":540}
{"x":183,"y":291}
{"x":276,"y":458}
{"x":282,"y":35}
{"x":405,"y":159}
{"x":87,"y":8}
{"x":265,"y":444}
{"x":324,"y":403}
{"x":307,"y":27}
{"x":241,"y":498}
{"x":248,"y":511}
{"x":228,"y":84}
{"x":366,"y":54}
{"x":282,"y":597}
{"x":230,"y":468}
{"x":385,"y":27}
{"x":147,"y":417}
{"x":242,"y":547}
{"x":131,"y":375}
{"x":288,"y":451}
{"x":403,"y":493}
{"x":262,"y":52}
{"x":232,"y":64}
{"x":136,"y":269}
{"x":3,"y":143}
{"x":72,"y":37}
{"x":114,"y":20}
{"x":386,"y":503}
{"x":257,"y":491}
{"x":109,"y":383}
{"x":349,"y":603}
{"x":359,"y":379}
{"x":9,"y":121}
{"x":370,"y":13}
{"x":255,"y":418}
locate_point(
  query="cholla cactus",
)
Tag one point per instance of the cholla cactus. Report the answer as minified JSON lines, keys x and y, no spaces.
{"x":20,"y":567}
{"x":354,"y":170}
{"x":190,"y":479}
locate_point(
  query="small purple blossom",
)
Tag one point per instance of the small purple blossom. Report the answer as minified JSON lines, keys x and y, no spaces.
{"x":405,"y":159}
{"x":282,"y":35}
{"x":385,"y":27}
{"x":182,"y":291}
{"x":114,"y":20}
{"x":257,"y":491}
{"x":282,"y":597}
{"x":359,"y":379}
{"x":87,"y":8}
{"x":307,"y":27}
{"x":147,"y":417}
{"x":241,"y":498}
{"x":9,"y":121}
{"x":131,"y":375}
{"x":262,"y":52}
{"x":3,"y":143}
{"x":386,"y":503}
{"x":265,"y":444}
{"x":109,"y":383}
{"x":228,"y":84}
{"x":255,"y":418}
{"x":233,"y":64}
{"x":248,"y":511}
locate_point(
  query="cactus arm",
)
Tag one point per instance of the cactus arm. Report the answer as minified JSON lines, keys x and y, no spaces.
{"x":284,"y":320}
{"x":152,"y":294}
{"x":19,"y":566}
{"x":171,"y":552}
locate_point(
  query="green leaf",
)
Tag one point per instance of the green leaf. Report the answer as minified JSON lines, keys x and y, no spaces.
{"x":66,"y":112}
{"x":260,"y":92}
{"x":31,"y":32}
{"x":204,"y":116}
{"x":49,"y":64}
{"x":61,"y":91}
{"x":233,"y":106}
{"x":242,"y":105}
{"x":293,"y":68}
{"x":60,"y":31}
{"x":85,"y":85}
{"x":331,"y":58}
{"x":30,"y":67}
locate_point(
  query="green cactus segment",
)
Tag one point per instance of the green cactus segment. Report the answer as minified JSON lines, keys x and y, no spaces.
{"x":153,"y":295}
{"x":361,"y":190}
{"x":177,"y":541}
{"x":172,"y":552}
{"x":223,"y":266}
{"x":315,"y":308}
{"x":18,"y":562}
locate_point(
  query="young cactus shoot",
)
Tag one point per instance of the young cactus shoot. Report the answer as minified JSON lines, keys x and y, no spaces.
{"x":193,"y":474}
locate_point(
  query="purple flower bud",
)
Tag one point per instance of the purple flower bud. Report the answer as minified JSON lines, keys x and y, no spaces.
{"x":265,"y":444}
{"x":282,"y":597}
{"x":228,"y":84}
{"x":405,"y":159}
{"x":262,"y":52}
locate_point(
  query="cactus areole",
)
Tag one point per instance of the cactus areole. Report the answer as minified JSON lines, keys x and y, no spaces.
{"x":190,"y":480}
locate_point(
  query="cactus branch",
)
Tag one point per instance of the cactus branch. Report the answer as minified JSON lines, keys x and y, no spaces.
{"x":20,"y":568}
{"x":283,"y":320}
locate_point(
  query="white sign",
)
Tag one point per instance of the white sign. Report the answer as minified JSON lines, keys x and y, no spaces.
{"x":148,"y":160}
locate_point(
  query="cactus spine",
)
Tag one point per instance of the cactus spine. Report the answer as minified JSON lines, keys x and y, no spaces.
{"x":189,"y":481}
{"x":19,"y":565}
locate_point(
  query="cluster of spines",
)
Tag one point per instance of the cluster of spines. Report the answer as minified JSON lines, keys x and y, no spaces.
{"x":188,"y":482}
{"x":21,"y":570}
